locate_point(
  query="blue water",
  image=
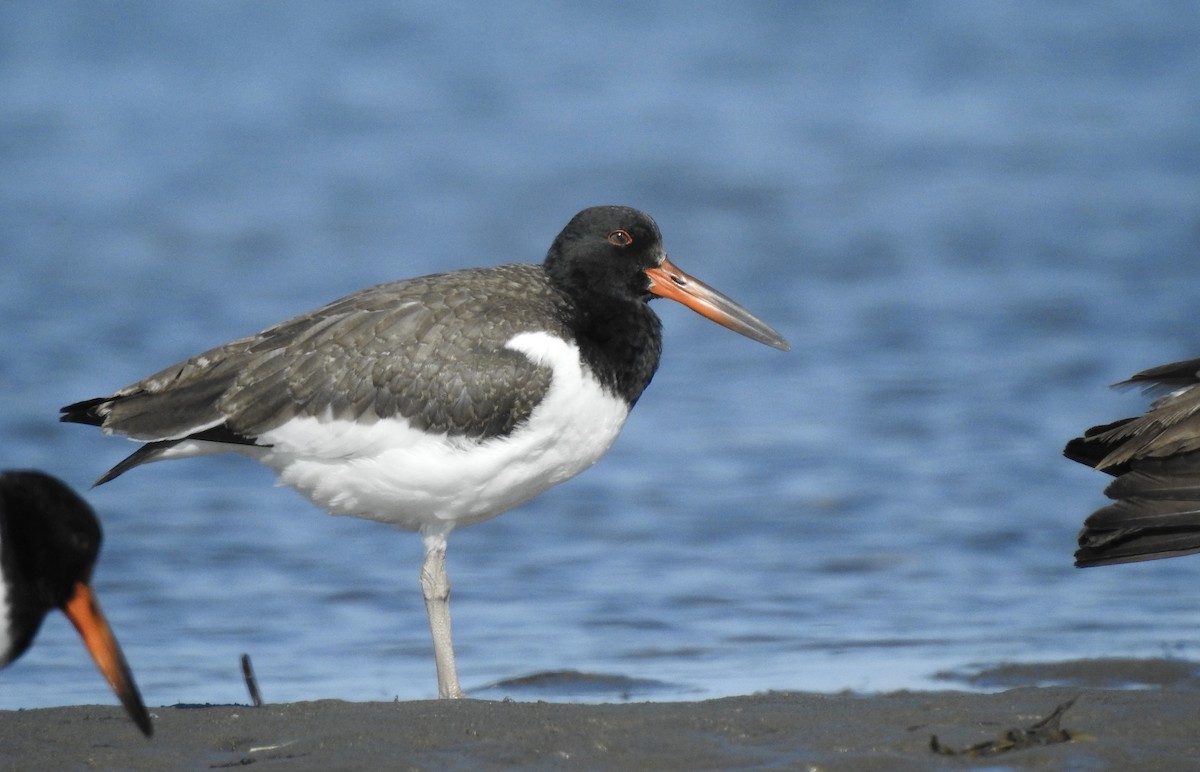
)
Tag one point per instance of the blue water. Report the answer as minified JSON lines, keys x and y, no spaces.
{"x":967,"y":218}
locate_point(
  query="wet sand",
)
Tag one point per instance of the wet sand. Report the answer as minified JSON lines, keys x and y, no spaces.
{"x":1153,"y":726}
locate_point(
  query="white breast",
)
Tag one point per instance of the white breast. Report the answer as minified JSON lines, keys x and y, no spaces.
{"x":388,"y":471}
{"x":6,"y":640}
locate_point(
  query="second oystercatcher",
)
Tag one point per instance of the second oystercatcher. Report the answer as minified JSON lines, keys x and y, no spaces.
{"x":49,"y":540}
{"x":435,"y":402}
{"x":1156,"y":461}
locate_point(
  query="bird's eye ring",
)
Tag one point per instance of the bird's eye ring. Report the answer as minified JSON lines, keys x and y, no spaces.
{"x":620,"y":238}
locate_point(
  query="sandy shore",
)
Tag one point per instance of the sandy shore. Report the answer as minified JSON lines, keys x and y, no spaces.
{"x":1152,"y":727}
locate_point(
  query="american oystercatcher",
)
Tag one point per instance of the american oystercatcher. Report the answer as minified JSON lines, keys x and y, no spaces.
{"x":435,"y":402}
{"x":49,"y":540}
{"x":1156,"y":461}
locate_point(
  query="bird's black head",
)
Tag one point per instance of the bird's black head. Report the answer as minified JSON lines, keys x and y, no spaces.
{"x":51,"y":537}
{"x":49,"y":541}
{"x":598,"y":263}
{"x":605,"y":251}
{"x":614,"y":253}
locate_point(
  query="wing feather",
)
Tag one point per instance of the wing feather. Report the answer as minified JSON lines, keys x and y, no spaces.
{"x":431,"y":350}
{"x":1155,"y":459}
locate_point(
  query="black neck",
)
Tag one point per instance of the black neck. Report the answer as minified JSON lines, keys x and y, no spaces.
{"x":620,"y":341}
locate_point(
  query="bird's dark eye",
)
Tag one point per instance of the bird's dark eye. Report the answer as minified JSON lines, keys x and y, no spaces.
{"x":620,"y":239}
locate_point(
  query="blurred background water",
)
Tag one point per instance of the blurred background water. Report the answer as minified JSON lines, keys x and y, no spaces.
{"x":967,"y":218}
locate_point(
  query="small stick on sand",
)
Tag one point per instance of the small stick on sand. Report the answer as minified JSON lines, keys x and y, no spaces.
{"x":248,"y":673}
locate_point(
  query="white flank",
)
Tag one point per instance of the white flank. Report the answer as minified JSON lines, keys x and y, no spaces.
{"x":386,"y":470}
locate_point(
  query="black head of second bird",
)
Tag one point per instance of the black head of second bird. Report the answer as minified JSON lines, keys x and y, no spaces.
{"x":49,"y":542}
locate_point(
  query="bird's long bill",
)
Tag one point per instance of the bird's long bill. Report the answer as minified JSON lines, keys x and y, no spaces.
{"x":84,"y":612}
{"x":668,"y":281}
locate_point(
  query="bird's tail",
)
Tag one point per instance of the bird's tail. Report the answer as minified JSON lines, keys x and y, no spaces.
{"x":1155,"y":513}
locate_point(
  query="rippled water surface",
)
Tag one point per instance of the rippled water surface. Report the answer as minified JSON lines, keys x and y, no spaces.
{"x":968,"y":219}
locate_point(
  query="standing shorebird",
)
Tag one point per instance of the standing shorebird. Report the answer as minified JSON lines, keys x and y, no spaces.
{"x":435,"y":402}
{"x":49,"y":541}
{"x":1156,"y":461}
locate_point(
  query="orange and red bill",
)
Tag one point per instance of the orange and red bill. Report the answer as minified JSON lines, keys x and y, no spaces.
{"x":668,"y":281}
{"x":84,"y":612}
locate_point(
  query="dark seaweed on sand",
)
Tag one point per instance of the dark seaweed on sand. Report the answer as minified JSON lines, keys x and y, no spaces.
{"x":1044,"y":732}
